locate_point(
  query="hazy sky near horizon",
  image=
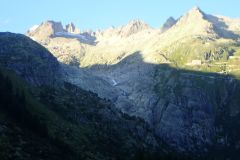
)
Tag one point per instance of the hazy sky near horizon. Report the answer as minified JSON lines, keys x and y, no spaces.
{"x":19,"y":15}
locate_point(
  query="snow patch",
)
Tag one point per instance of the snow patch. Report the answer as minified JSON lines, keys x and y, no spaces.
{"x":67,"y":34}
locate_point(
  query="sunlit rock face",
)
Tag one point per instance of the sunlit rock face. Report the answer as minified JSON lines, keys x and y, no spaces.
{"x":45,"y":30}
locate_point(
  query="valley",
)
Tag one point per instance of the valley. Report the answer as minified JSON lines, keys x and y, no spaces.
{"x":128,"y":92}
{"x":157,"y":74}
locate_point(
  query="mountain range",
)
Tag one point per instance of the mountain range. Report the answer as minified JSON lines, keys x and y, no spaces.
{"x":167,"y":91}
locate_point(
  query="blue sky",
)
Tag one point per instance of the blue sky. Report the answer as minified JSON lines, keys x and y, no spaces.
{"x":19,"y":15}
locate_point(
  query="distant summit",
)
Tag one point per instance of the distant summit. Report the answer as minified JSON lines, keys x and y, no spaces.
{"x":196,"y":22}
{"x":72,"y":29}
{"x":168,"y":24}
{"x":45,"y":30}
{"x":50,"y":29}
{"x":133,"y":27}
{"x":194,"y":14}
{"x":193,"y":23}
{"x":195,"y":11}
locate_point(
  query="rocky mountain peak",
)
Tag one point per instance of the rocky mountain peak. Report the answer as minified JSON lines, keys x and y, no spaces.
{"x":136,"y":22}
{"x":52,"y":26}
{"x":196,"y":9}
{"x":45,"y":30}
{"x":168,"y":24}
{"x":194,"y":22}
{"x":133,"y":27}
{"x":195,"y":13}
{"x":72,"y":29}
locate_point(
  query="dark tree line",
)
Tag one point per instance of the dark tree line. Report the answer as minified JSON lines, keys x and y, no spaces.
{"x":13,"y":103}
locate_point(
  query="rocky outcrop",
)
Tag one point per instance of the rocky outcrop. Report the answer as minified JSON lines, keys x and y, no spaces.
{"x":168,"y":24}
{"x":133,"y":27}
{"x":45,"y":31}
{"x":72,"y":29}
